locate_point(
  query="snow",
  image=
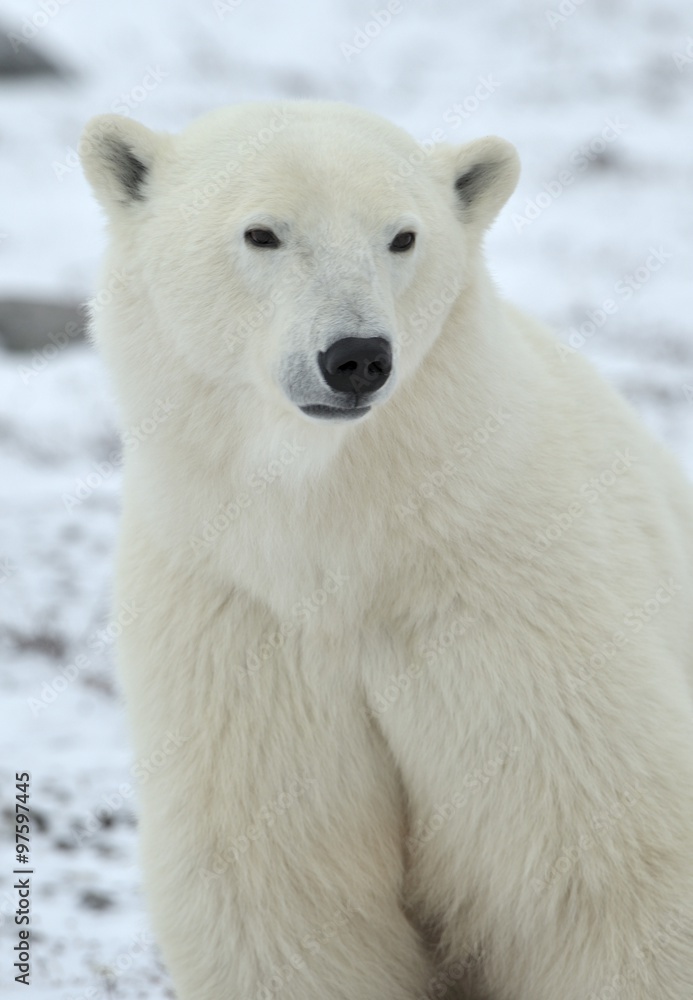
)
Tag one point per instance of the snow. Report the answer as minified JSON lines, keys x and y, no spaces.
{"x":613,"y":79}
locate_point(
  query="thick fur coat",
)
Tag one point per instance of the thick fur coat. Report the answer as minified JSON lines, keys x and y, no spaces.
{"x":429,"y":670}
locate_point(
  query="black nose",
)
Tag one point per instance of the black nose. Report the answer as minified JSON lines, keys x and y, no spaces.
{"x":356,"y":364}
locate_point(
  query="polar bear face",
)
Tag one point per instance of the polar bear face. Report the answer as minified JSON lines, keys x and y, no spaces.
{"x":306,"y":253}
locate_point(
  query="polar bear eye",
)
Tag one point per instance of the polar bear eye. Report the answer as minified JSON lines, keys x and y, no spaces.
{"x":262,"y":238}
{"x":403,"y":241}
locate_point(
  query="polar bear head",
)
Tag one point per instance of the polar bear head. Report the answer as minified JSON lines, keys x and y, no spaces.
{"x":304,"y":256}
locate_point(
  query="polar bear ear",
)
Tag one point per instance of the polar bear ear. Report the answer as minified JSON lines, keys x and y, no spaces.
{"x":484,"y":174}
{"x":117,"y":156}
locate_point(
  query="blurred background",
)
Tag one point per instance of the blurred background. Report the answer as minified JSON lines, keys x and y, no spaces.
{"x":598,"y":98}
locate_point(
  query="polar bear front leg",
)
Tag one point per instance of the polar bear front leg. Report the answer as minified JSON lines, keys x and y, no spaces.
{"x":553,"y":845}
{"x":271,"y":835}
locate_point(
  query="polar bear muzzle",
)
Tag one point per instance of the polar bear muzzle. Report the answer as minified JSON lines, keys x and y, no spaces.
{"x":353,"y":369}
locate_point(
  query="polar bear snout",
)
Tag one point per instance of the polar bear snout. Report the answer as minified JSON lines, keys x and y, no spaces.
{"x":356,"y":365}
{"x":353,"y":369}
{"x":342,"y":382}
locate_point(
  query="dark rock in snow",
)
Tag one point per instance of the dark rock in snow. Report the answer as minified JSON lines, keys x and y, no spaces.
{"x":19,"y":57}
{"x":30,"y":325}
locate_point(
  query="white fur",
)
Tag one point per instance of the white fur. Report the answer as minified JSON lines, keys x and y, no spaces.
{"x":424,"y":745}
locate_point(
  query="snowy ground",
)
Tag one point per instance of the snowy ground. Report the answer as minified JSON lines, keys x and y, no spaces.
{"x":599,"y":102}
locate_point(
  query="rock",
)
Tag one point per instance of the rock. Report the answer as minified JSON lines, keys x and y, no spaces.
{"x":29,"y":325}
{"x":94,"y":900}
{"x":18,"y":57}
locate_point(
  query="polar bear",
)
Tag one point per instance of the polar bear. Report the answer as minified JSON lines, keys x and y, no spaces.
{"x":414,"y":586}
